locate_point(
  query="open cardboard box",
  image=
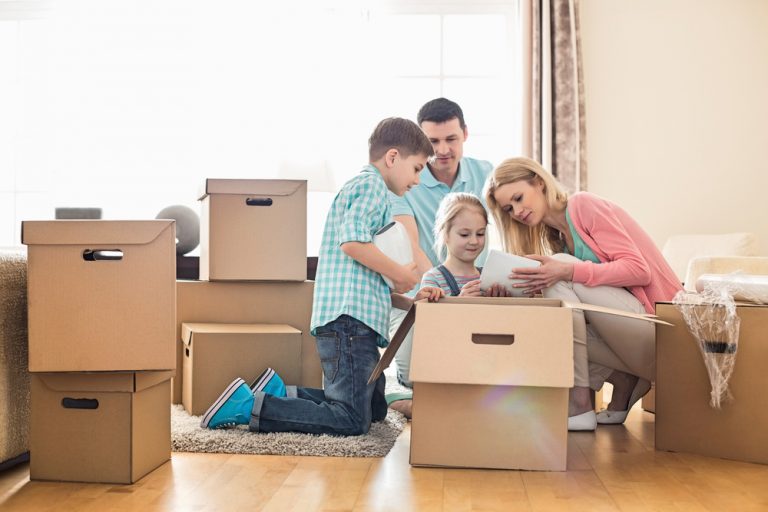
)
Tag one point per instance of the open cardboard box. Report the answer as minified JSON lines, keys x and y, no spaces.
{"x":215,"y":354}
{"x":102,"y":295}
{"x":253,"y":230}
{"x":685,"y":421}
{"x":491,"y":379}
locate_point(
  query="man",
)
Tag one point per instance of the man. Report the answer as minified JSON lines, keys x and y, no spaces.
{"x":442,"y":120}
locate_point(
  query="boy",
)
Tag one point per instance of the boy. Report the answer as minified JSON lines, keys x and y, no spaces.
{"x":350,"y":317}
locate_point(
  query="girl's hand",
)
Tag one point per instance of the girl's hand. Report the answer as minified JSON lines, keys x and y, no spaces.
{"x":497,"y":290}
{"x":431,"y":293}
{"x":548,"y":273}
{"x":471,"y":289}
{"x":405,"y":279}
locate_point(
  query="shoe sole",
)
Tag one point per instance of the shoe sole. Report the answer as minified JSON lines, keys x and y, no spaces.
{"x":262,"y":380}
{"x":213,"y":409}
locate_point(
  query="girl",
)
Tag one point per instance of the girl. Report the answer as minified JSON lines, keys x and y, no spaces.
{"x":609,"y":261}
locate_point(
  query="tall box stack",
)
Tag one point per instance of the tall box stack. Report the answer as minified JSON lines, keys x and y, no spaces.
{"x":252,"y":308}
{"x":101,"y":310}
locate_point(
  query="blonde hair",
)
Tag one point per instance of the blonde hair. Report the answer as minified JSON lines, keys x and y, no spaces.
{"x":450,"y":206}
{"x":518,"y":238}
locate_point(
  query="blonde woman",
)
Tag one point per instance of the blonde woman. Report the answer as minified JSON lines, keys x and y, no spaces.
{"x":591,"y":251}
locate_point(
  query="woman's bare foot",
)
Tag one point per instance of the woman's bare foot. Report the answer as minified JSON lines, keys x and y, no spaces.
{"x":579,"y":401}
{"x":623,"y":385}
{"x":402,"y":406}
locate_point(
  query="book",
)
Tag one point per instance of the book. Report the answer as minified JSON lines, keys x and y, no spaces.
{"x":497,"y":268}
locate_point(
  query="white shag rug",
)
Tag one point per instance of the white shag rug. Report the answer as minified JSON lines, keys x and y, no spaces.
{"x":187,"y":436}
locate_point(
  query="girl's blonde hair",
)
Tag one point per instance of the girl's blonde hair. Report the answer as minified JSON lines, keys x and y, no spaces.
{"x":451,"y":205}
{"x":516,"y":237}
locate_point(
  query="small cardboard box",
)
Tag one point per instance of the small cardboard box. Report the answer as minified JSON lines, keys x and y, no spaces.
{"x":253,"y":230}
{"x":685,"y":421}
{"x":215,"y":354}
{"x":102,"y":295}
{"x":491,"y":379}
{"x":287,"y":303}
{"x":110,"y":427}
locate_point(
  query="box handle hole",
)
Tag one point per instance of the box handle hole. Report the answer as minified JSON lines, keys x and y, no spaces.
{"x":493,"y":339}
{"x":80,"y":403}
{"x":102,"y":255}
{"x":259,"y":201}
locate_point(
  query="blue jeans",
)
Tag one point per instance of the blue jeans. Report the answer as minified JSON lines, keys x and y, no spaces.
{"x":347,"y":404}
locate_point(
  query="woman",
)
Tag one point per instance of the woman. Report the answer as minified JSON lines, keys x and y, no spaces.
{"x":591,"y":251}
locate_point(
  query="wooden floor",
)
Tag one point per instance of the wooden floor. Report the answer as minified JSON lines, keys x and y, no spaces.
{"x":615,"y":468}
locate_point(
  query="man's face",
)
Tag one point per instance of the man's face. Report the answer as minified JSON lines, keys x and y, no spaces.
{"x":448,"y":141}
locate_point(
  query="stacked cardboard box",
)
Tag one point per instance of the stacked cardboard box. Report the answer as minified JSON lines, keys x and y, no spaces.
{"x":252,"y":308}
{"x":101,"y":308}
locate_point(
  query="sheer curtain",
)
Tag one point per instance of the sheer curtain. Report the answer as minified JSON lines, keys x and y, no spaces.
{"x":554,"y":125}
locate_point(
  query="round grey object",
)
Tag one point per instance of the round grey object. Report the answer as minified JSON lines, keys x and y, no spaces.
{"x":187,"y":226}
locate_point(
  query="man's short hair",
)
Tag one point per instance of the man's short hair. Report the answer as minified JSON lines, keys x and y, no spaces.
{"x":401,"y":134}
{"x":441,"y":110}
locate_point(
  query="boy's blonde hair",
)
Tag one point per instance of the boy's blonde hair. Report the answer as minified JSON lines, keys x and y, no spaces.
{"x":451,"y":205}
{"x":518,"y":238}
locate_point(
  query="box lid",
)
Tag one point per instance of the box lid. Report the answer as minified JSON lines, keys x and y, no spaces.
{"x":188,"y":330}
{"x":93,"y":232}
{"x":116,"y":382}
{"x":251,"y":187}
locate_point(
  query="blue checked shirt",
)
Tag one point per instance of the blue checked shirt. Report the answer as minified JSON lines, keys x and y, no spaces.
{"x":421,"y":203}
{"x":342,"y":285}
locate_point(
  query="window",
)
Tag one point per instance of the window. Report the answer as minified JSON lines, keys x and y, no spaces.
{"x":129,"y":105}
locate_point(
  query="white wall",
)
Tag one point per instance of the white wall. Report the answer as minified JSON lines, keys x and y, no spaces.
{"x":677,"y":112}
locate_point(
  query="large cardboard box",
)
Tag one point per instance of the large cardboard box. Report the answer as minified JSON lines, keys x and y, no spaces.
{"x":491,"y":379}
{"x":110,"y":427}
{"x":215,"y":354}
{"x":685,"y":422}
{"x":253,"y":230}
{"x":287,"y":303}
{"x":102,"y":295}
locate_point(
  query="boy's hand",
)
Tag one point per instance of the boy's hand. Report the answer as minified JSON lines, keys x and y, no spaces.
{"x":471,"y":289}
{"x":431,"y":293}
{"x":405,"y":279}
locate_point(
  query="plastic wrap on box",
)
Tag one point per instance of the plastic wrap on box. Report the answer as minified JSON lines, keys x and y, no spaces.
{"x":751,"y":288}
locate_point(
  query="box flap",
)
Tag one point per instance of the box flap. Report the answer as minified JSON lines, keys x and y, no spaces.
{"x":259,"y":188}
{"x":101,"y":234}
{"x":216,"y":328}
{"x":103,"y":382}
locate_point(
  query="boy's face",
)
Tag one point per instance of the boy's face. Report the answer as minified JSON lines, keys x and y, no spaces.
{"x":448,"y":142}
{"x":403,"y":172}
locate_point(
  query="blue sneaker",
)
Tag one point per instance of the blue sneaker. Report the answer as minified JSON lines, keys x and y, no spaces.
{"x":270,"y":383}
{"x":232,"y":408}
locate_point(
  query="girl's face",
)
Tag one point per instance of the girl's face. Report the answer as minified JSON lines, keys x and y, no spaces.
{"x":465,"y":238}
{"x":525,"y":202}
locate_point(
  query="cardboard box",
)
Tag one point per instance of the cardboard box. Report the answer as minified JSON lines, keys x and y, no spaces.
{"x":216,"y":354}
{"x":685,"y":422}
{"x":102,"y":295}
{"x":287,"y":303}
{"x":253,"y":230}
{"x":491,"y":379}
{"x":111,"y":427}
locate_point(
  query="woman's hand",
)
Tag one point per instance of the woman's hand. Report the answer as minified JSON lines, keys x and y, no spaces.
{"x":471,"y":289}
{"x":548,"y":273}
{"x":431,"y":293}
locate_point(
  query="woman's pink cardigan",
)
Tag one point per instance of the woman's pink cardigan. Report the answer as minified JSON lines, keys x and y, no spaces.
{"x":628,"y":256}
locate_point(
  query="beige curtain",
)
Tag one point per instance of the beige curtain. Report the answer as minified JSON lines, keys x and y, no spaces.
{"x":554,"y":124}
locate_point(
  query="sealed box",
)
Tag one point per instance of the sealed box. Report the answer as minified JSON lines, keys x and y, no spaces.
{"x":216,"y":354}
{"x":253,"y":230}
{"x":231,"y":302}
{"x":109,"y":427}
{"x":685,"y":421}
{"x":102,"y":295}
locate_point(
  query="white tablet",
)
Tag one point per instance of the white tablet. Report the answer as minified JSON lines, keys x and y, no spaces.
{"x":497,"y":268}
{"x":393,"y":241}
